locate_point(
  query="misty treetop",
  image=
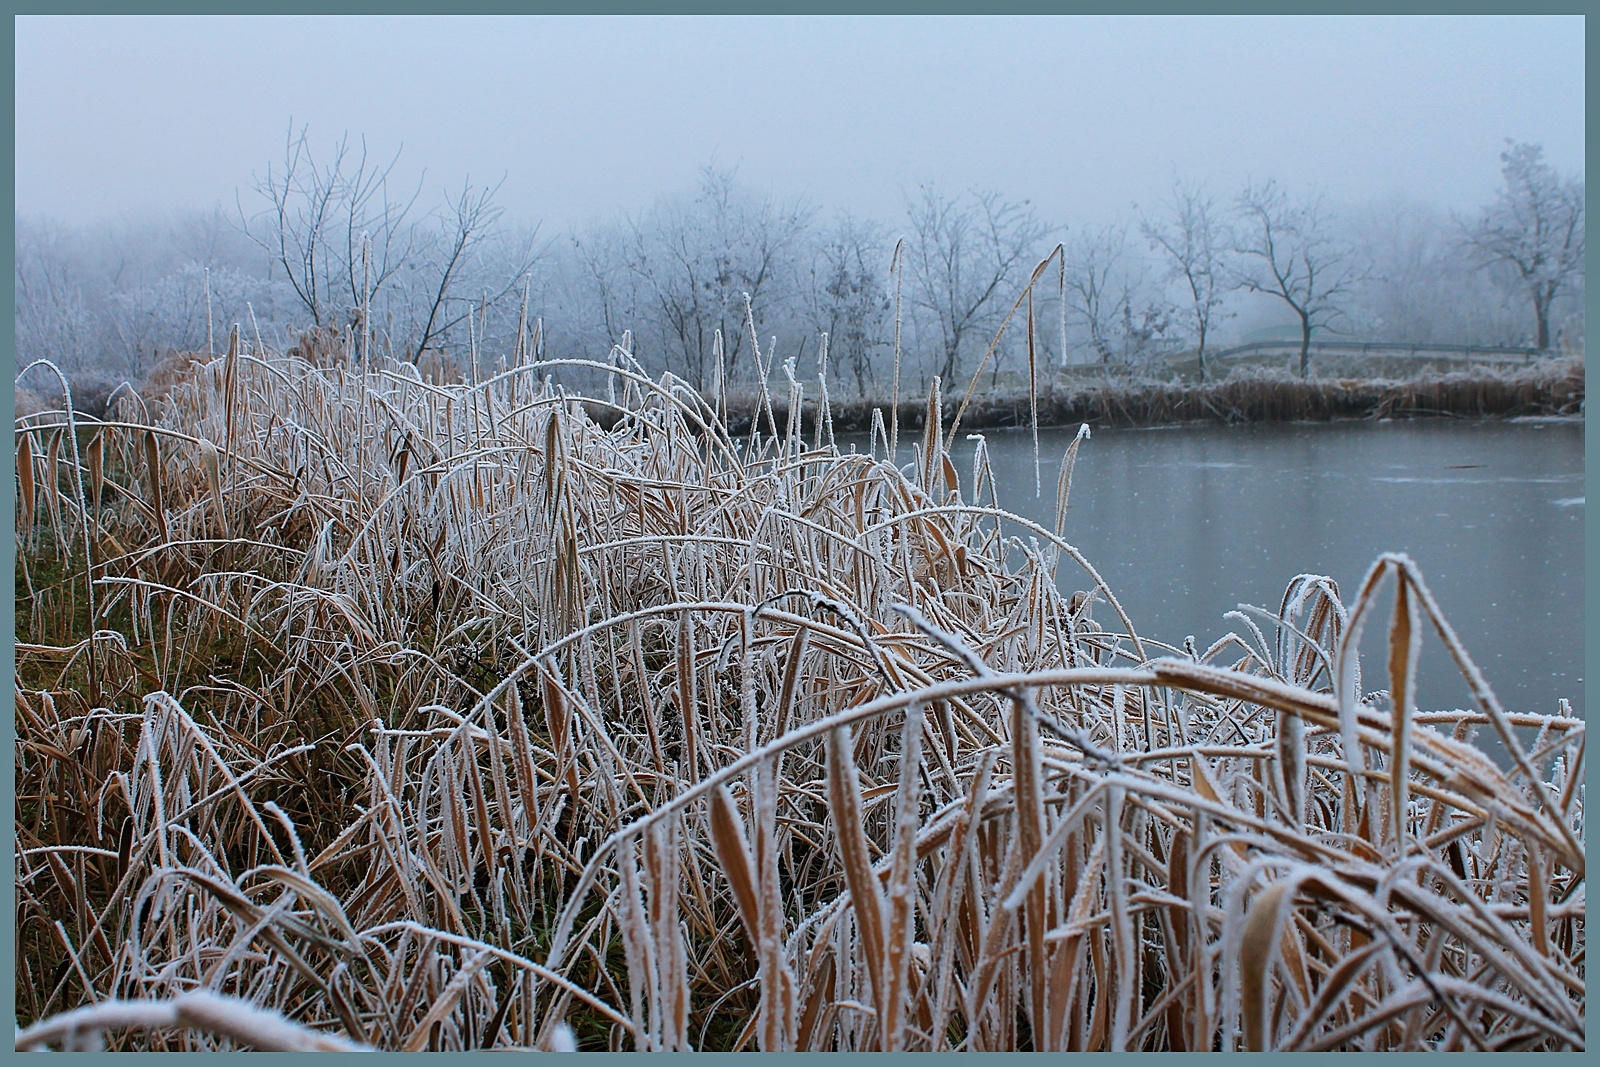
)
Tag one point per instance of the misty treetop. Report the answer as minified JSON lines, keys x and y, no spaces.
{"x":327,"y":238}
{"x":1535,"y":228}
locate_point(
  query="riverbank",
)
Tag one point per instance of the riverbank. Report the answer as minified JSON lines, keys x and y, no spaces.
{"x":1554,"y":388}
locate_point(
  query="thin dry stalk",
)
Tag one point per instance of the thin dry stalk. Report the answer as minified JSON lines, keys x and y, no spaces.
{"x":547,"y":712}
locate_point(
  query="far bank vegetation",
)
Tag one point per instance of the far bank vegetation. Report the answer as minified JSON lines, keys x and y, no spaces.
{"x":330,"y":238}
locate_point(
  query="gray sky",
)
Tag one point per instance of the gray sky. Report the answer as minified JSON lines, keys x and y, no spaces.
{"x":584,"y":116}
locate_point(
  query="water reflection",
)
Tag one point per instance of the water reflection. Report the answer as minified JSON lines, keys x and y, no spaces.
{"x":1185,"y":524}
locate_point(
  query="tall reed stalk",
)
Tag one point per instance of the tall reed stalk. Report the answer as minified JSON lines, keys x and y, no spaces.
{"x":451,"y":719}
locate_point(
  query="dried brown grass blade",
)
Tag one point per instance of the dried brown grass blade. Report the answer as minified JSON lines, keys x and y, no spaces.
{"x":230,"y":387}
{"x":844,"y":806}
{"x":733,"y":852}
{"x":446,"y":1003}
{"x":688,"y":701}
{"x":1405,"y":642}
{"x":1257,"y":952}
{"x":1538,"y":904}
{"x":96,"y":455}
{"x":791,"y":680}
{"x":211,"y":462}
{"x":1069,"y":460}
{"x":558,"y":719}
{"x":902,"y":870}
{"x":1291,"y":764}
{"x":1333,"y":988}
{"x":152,"y":460}
{"x":897,"y":267}
{"x":819,"y":987}
{"x":25,"y":478}
{"x":1027,"y":771}
{"x":1033,"y":394}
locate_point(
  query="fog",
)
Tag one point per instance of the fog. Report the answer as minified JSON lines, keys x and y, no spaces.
{"x":647,"y":174}
{"x":585,"y":116}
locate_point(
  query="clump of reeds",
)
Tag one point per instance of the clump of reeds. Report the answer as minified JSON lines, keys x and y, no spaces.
{"x":440,"y":717}
{"x":1548,"y":388}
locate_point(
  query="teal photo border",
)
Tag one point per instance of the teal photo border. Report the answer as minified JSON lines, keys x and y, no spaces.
{"x":704,"y":7}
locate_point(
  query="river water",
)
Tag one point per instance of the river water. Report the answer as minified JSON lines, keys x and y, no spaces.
{"x":1187,"y":523}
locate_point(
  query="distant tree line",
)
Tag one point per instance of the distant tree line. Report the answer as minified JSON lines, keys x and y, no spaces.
{"x":711,"y":281}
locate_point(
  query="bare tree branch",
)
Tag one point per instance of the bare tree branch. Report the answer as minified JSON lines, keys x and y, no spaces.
{"x":1287,"y":250}
{"x":966,"y":252}
{"x":1536,"y":227}
{"x":1191,"y":236}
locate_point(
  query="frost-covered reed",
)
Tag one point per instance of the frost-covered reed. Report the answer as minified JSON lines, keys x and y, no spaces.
{"x":439,"y":717}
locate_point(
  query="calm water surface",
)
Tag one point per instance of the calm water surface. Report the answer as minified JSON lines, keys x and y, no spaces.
{"x":1187,"y":523}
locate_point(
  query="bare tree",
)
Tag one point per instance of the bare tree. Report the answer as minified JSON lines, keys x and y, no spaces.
{"x":1287,"y":250}
{"x":1096,"y":284}
{"x":1106,"y":292}
{"x":349,"y":250}
{"x":1195,"y":243}
{"x":846,"y":296}
{"x":53,"y":318}
{"x":318,"y":219}
{"x":1536,"y":227}
{"x":453,"y":261}
{"x":175,"y":310}
{"x":111,"y":296}
{"x":1421,"y":289}
{"x":1144,"y":325}
{"x":967,"y":255}
{"x":698,"y":259}
{"x":608,"y":291}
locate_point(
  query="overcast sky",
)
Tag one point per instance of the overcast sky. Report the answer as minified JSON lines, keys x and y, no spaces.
{"x":585,"y":116}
